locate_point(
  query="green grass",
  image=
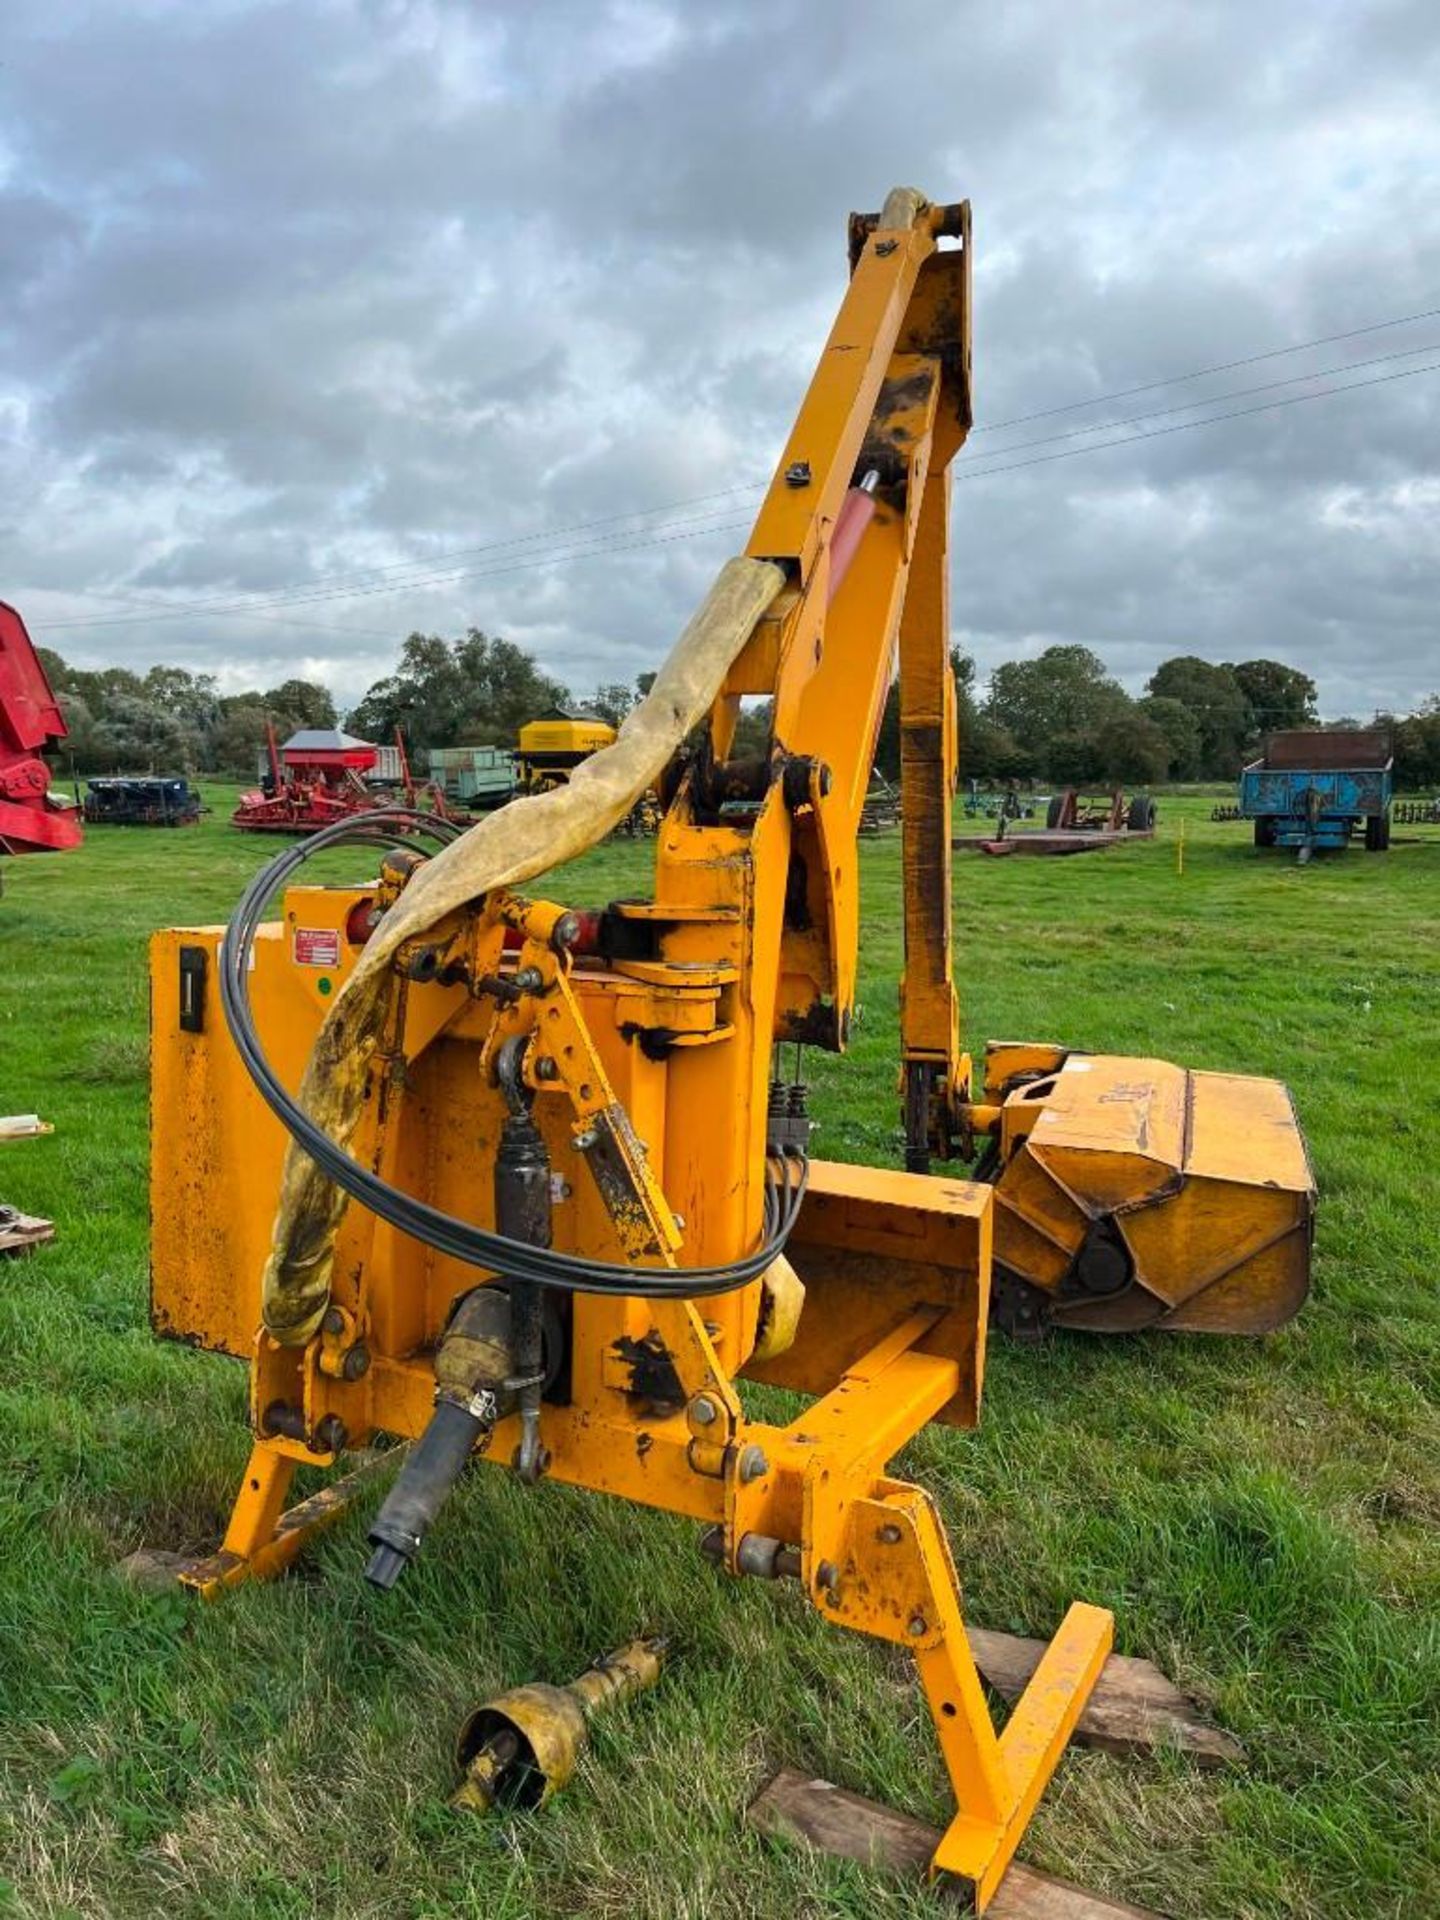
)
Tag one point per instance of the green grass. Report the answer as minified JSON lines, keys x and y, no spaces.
{"x":1262,"y":1517}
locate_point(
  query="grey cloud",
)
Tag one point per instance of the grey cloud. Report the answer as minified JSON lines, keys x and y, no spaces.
{"x":299,"y":290}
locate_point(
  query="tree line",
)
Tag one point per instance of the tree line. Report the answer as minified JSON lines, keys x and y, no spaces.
{"x":1056,"y":719}
{"x":169,"y":720}
{"x":1061,"y":719}
{"x":476,"y":691}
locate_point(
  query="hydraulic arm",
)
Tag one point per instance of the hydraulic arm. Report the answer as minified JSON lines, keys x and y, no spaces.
{"x":586,"y":1204}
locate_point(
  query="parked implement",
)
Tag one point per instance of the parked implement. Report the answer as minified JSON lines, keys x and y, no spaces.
{"x":550,"y":747}
{"x":1071,"y":811}
{"x":478,"y":778}
{"x":320,"y":776}
{"x":1074,"y":823}
{"x":32,"y":820}
{"x":142,"y":800}
{"x":1312,"y":790}
{"x":580,"y":1140}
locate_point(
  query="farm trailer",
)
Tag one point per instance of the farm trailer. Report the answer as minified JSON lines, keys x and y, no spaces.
{"x":1312,"y":789}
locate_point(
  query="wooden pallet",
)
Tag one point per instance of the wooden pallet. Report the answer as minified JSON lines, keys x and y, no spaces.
{"x":853,"y":1828}
{"x":1133,"y":1709}
{"x":22,"y":1232}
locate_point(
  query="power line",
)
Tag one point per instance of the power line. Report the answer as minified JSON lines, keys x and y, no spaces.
{"x":600,"y":545}
{"x":1215,"y":399}
{"x":667,"y":532}
{"x":651,"y":539}
{"x":1201,"y":373}
{"x":424,"y":568}
{"x":1186,"y":426}
{"x":167,"y":608}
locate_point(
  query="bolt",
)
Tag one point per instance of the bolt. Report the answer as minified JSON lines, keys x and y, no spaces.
{"x":751,"y":1465}
{"x":546,"y":1068}
{"x":703,"y":1411}
{"x":797,"y":474}
{"x":528,"y":979}
{"x":889,"y":1535}
{"x":357,"y":1362}
{"x":586,"y":1139}
{"x":334,"y":1321}
{"x":827,"y":1576}
{"x":565,"y":932}
{"x":331,"y":1434}
{"x":917,"y":1626}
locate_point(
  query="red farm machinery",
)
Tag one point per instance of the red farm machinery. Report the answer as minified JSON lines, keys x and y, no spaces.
{"x":32,"y":820}
{"x":322,"y":775}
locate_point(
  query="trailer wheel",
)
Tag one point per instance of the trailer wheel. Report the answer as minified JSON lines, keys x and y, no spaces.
{"x":1377,"y":833}
{"x":1054,"y":811}
{"x":1265,"y":831}
{"x":1141,"y":817}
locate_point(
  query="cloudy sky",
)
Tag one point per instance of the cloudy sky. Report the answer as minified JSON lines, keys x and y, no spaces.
{"x":324,"y":320}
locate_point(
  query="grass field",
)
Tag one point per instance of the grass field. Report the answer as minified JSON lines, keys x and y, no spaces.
{"x":1264,"y":1518}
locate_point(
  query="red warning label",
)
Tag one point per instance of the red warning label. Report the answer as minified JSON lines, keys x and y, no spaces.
{"x":317,"y":947}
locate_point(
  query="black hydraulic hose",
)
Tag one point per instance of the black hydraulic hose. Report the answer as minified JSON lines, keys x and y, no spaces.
{"x":462,"y":1239}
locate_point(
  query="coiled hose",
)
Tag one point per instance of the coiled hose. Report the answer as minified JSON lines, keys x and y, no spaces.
{"x":786,"y":1174}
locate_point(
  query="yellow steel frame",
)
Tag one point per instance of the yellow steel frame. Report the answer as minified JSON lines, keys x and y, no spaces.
{"x":754,"y":930}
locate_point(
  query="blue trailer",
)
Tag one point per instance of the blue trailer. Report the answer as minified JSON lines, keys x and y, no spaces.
{"x":1315,"y":789}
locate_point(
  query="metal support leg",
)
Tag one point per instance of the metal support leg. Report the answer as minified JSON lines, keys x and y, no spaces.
{"x":875,"y":1558}
{"x":263,"y":1536}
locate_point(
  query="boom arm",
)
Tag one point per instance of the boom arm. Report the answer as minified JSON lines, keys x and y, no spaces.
{"x":858,"y":513}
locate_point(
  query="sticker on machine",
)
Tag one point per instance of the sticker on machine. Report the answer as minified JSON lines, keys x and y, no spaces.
{"x":317,"y":947}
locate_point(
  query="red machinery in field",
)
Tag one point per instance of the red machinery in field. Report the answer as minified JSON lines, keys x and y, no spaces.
{"x":318,"y":777}
{"x":31,"y":819}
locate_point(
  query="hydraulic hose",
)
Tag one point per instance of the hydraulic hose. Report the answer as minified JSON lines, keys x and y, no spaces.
{"x":474,"y":1245}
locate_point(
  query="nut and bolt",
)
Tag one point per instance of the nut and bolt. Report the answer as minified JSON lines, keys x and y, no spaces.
{"x":751,"y":1465}
{"x":586,"y":1139}
{"x":917,"y":1625}
{"x":889,"y":1535}
{"x":357,"y":1362}
{"x":703,"y":1411}
{"x":546,"y":1068}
